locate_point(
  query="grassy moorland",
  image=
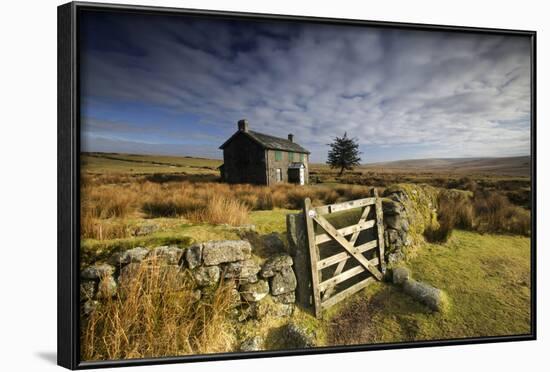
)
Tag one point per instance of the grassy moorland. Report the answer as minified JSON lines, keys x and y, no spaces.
{"x":479,"y":255}
{"x":487,"y":278}
{"x":101,"y":163}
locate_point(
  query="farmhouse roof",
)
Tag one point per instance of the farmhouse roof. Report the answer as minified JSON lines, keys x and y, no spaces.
{"x":269,"y":142}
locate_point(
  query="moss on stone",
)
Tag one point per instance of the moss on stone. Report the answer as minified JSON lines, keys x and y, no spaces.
{"x":420,"y":202}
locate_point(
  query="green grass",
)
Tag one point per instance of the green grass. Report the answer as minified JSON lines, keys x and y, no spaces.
{"x":180,"y":232}
{"x":487,"y":278}
{"x":270,"y":221}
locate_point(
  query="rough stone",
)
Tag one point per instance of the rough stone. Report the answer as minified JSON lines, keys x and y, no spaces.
{"x":247,"y":280}
{"x":283,"y":282}
{"x":252,"y":344}
{"x":295,"y":233}
{"x":400,"y":275}
{"x":146,"y":229}
{"x":393,"y":222}
{"x":270,"y":309}
{"x":128,"y":274}
{"x":235,"y":297}
{"x":393,"y":236}
{"x":391,"y":207}
{"x":131,"y":255}
{"x":206,"y":276}
{"x":193,"y":256}
{"x":171,"y":255}
{"x":285,"y":298}
{"x":87,"y":290}
{"x":89,"y":307}
{"x":276,"y":264}
{"x":297,"y":337}
{"x":97,"y":271}
{"x":241,"y":269}
{"x":222,"y":251}
{"x":254,"y":292}
{"x":395,"y":193}
{"x":196,"y":295}
{"x":244,"y":313}
{"x":430,"y":296}
{"x":107,"y":287}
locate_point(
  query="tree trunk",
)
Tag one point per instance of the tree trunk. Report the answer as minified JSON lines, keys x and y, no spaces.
{"x":341,"y":172}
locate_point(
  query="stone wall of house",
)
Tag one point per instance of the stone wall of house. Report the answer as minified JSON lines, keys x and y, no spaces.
{"x":259,"y":289}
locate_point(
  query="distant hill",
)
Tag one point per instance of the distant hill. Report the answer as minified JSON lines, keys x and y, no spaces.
{"x":510,"y":166}
{"x":102,"y":162}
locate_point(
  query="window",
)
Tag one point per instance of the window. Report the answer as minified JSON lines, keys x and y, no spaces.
{"x":290,"y":156}
{"x":278,"y":156}
{"x":301,"y":157}
{"x":278,"y":175}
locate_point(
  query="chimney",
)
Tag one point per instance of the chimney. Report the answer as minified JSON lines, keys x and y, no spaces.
{"x":243,"y":125}
{"x":291,"y":137}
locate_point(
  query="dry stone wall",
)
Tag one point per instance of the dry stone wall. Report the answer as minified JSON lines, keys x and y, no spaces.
{"x":259,"y":289}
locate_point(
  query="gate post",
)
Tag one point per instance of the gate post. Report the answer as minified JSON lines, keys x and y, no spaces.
{"x":313,"y":256}
{"x":380,"y":230}
{"x":299,"y":250}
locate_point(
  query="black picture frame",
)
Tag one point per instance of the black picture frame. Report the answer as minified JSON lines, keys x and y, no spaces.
{"x":68,"y":347}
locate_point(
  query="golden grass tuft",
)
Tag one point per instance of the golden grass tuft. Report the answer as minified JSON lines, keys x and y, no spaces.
{"x":220,"y":210}
{"x":157,"y":314}
{"x":495,"y":213}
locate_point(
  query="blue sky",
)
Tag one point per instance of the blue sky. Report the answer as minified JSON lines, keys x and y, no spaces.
{"x":175,"y":85}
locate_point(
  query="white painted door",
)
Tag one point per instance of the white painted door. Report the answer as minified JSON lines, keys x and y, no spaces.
{"x":302,"y":176}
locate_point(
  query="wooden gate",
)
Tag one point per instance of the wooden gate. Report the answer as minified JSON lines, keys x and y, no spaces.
{"x":359,"y":261}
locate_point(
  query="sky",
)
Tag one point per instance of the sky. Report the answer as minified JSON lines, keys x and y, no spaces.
{"x":174,"y":85}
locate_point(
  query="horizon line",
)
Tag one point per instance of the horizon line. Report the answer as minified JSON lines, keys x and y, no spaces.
{"x":368,"y":163}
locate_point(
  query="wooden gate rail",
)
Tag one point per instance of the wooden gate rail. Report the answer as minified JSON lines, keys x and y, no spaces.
{"x":323,"y":290}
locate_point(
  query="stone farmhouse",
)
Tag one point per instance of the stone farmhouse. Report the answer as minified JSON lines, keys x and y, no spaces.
{"x":261,"y":159}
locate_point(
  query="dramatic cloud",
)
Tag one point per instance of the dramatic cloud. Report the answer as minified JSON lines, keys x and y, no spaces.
{"x":178,"y":85}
